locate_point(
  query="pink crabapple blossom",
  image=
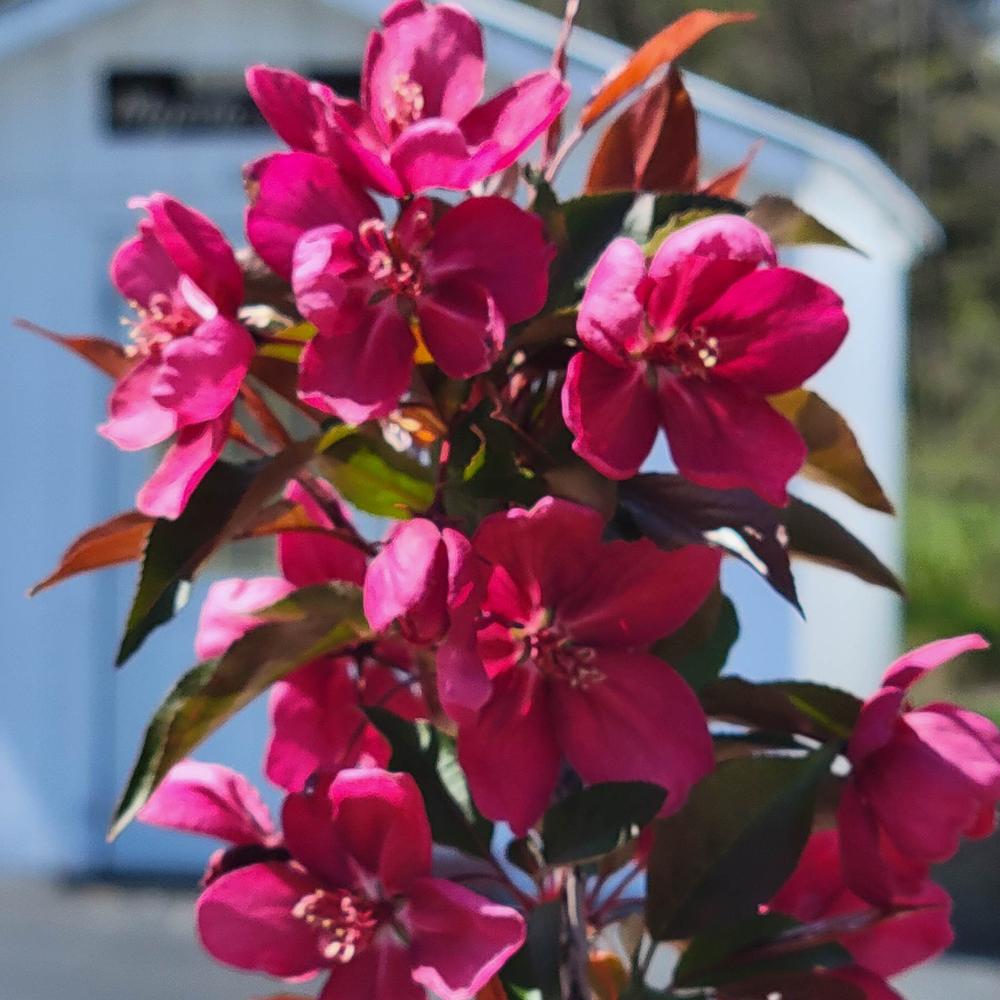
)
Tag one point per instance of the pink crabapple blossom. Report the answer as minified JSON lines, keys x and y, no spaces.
{"x":444,"y":282}
{"x":695,"y":342}
{"x":921,"y":779}
{"x":356,"y":900}
{"x":567,"y":621}
{"x":420,"y":123}
{"x":192,"y":353}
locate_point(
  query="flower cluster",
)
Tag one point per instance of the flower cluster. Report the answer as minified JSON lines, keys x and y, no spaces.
{"x":527,"y":661}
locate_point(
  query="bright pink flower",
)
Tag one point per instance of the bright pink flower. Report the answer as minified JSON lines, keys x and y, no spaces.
{"x":420,"y":123}
{"x":695,"y":343}
{"x":183,"y":279}
{"x":228,"y":611}
{"x":427,"y":579}
{"x":921,"y":779}
{"x":357,"y":899}
{"x":458,"y":277}
{"x":566,"y":624}
{"x":873,"y":987}
{"x":885,"y":944}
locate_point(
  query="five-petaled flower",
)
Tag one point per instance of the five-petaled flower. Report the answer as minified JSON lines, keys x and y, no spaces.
{"x":186,"y":286}
{"x":567,"y":620}
{"x":441,"y":283}
{"x":356,"y":898}
{"x":419,"y":123}
{"x":921,"y":779}
{"x":694,"y":343}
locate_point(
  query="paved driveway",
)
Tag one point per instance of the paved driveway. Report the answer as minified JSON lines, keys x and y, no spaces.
{"x":112,"y":943}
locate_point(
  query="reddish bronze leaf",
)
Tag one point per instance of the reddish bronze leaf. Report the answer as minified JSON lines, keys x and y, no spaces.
{"x":118,"y":540}
{"x":727,"y":184}
{"x":653,"y":146}
{"x":672,"y":41}
{"x":108,"y":356}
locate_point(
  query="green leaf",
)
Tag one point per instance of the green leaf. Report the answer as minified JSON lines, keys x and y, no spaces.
{"x":483,"y":474}
{"x":742,"y":950}
{"x":733,"y":844}
{"x":817,"y":537}
{"x":306,"y":624}
{"x":789,"y":225}
{"x":801,"y":707}
{"x":429,"y":756}
{"x":593,"y":821}
{"x":223,"y":506}
{"x":377,"y":479}
{"x":701,"y":661}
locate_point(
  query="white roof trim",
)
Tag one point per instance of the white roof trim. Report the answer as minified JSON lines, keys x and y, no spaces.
{"x":31,"y":23}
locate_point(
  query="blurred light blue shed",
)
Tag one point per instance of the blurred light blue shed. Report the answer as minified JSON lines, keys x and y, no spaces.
{"x":77,"y":142}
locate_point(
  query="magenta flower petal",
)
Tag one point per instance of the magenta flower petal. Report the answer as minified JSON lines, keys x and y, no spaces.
{"x":199,"y":376}
{"x":507,"y":124}
{"x":515,"y":785}
{"x":612,"y":412}
{"x":725,"y":437}
{"x":296,"y":108}
{"x":434,"y":153}
{"x":969,"y":742}
{"x":461,"y":326}
{"x":408,"y":580}
{"x":720,"y":238}
{"x":638,"y":722}
{"x":460,"y":939}
{"x":360,"y":373}
{"x":135,"y":419}
{"x":211,"y":800}
{"x":873,"y":987}
{"x":311,"y":836}
{"x":645,"y":593}
{"x":534,"y":554}
{"x":228,"y":611}
{"x":610,"y":321}
{"x":911,"y":666}
{"x":380,"y":821}
{"x":325,"y":267}
{"x":428,"y":63}
{"x":381,"y":971}
{"x":495,"y":244}
{"x":195,"y":244}
{"x":317,"y":726}
{"x":871,"y":867}
{"x":298,"y":192}
{"x":876,"y":724}
{"x":245,"y":920}
{"x":141,"y":268}
{"x":166,"y":492}
{"x":775,"y":328}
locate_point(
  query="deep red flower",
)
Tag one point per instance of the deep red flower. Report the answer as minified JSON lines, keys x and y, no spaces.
{"x":445,"y":281}
{"x":356,"y":899}
{"x":567,"y":621}
{"x":695,"y":343}
{"x":921,"y":779}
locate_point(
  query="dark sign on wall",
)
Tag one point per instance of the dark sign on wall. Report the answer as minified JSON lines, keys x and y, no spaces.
{"x":163,"y":100}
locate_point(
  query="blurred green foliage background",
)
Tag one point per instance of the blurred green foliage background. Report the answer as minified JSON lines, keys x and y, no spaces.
{"x":919,"y":82}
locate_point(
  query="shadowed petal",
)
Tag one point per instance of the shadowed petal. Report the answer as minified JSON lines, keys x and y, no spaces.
{"x":725,"y":437}
{"x":228,"y":611}
{"x":640,"y":723}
